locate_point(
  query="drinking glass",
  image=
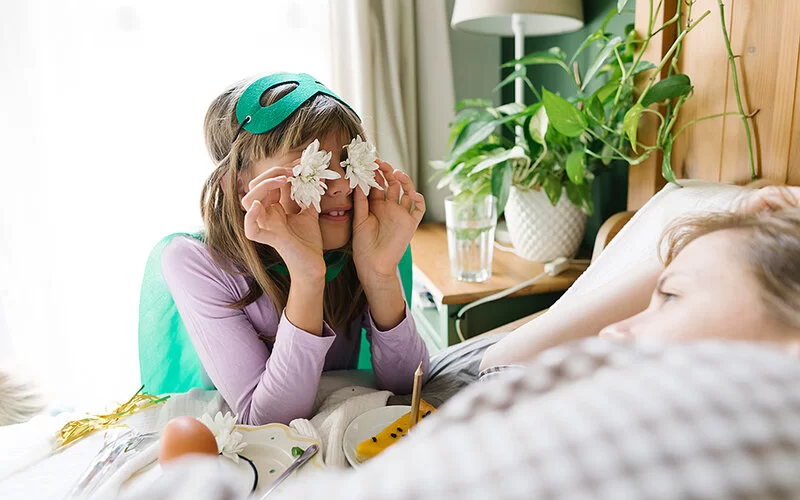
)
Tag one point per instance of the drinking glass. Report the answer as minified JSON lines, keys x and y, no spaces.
{"x":470,"y":237}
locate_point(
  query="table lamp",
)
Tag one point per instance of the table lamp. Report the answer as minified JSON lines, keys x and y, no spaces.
{"x":518,"y":18}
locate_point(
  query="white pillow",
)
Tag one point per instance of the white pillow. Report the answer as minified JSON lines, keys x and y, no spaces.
{"x":638,"y":240}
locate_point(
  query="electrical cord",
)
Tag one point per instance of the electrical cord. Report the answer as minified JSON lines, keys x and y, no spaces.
{"x":552,"y":268}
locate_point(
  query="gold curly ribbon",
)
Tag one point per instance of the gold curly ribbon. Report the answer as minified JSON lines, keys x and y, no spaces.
{"x":78,"y":429}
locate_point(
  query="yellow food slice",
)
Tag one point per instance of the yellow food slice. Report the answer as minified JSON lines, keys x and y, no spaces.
{"x":391,"y":434}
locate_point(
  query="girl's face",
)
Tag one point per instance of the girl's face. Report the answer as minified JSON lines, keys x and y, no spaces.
{"x":335,"y":219}
{"x":706,"y":292}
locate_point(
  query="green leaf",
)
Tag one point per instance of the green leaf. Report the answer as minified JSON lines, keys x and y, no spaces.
{"x":438,"y":164}
{"x":564,"y":116}
{"x":499,"y":156}
{"x":611,"y":14}
{"x":576,"y":166}
{"x":666,"y":163}
{"x":511,"y":77}
{"x":511,"y":108}
{"x":448,"y":177}
{"x":605,"y":92}
{"x":607,"y":154}
{"x":473,"y":103}
{"x":595,"y":109}
{"x":580,"y":196}
{"x":668,"y":88}
{"x":558,"y":52}
{"x":641,"y":66}
{"x":537,"y":58}
{"x":475,"y":134}
{"x":472,"y":135}
{"x":538,"y":124}
{"x":502,"y":175}
{"x":458,"y":128}
{"x":600,"y":60}
{"x":483,"y":190}
{"x":593,"y":37}
{"x":552,"y":188}
{"x":631,"y":123}
{"x":621,"y":5}
{"x":629,"y":29}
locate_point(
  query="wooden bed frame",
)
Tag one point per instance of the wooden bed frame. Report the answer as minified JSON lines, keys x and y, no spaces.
{"x":765,"y":37}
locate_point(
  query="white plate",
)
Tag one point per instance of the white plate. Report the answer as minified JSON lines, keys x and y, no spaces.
{"x":269,"y":447}
{"x":367,"y":425}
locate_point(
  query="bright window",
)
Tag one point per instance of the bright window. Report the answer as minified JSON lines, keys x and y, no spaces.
{"x":102,"y":154}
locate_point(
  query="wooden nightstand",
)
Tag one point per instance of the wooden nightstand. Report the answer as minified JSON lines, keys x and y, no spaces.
{"x":434,"y":308}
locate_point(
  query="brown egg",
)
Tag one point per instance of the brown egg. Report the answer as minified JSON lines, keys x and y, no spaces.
{"x":185,"y":435}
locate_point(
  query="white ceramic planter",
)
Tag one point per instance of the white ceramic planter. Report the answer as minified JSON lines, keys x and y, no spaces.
{"x":541,"y":231}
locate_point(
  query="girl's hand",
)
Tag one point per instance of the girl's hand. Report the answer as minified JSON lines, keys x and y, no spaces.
{"x":769,"y":198}
{"x":296,"y":237}
{"x":384,"y":224}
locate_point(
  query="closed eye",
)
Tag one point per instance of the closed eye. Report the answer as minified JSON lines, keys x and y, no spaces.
{"x":666,"y":296}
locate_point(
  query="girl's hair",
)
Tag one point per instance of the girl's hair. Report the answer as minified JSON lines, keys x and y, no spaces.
{"x":223,"y":214}
{"x":770,"y":244}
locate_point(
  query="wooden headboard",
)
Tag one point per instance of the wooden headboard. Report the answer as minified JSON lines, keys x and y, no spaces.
{"x":766,"y":36}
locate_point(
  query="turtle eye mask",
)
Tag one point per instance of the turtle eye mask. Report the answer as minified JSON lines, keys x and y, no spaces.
{"x":308,"y":181}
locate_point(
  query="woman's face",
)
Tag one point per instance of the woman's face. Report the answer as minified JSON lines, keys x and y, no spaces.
{"x":706,"y":292}
{"x":335,"y":219}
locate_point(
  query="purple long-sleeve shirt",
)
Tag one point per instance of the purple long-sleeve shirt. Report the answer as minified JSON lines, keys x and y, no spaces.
{"x":275,"y":381}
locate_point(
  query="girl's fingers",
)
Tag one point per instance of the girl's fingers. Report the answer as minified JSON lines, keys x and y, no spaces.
{"x":360,"y":206}
{"x":386,"y":169}
{"x":251,"y":227}
{"x":267,"y":191}
{"x":393,"y":191}
{"x":270,"y":173}
{"x":419,"y":206}
{"x":378,"y":194}
{"x":408,"y":189}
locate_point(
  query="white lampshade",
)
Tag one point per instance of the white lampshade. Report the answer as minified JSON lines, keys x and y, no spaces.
{"x":540,"y":17}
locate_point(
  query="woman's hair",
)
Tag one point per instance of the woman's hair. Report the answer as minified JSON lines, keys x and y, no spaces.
{"x":769,"y":243}
{"x":223,"y":214}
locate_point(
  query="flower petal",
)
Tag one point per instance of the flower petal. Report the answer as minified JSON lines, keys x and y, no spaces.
{"x":329,"y":174}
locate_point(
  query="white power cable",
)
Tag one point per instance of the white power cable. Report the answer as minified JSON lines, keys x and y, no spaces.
{"x":552,"y":268}
{"x":504,"y":248}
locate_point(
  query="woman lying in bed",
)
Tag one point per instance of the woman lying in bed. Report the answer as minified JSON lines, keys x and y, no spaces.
{"x":732,"y":275}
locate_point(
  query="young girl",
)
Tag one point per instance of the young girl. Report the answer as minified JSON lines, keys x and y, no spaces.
{"x":276,"y":294}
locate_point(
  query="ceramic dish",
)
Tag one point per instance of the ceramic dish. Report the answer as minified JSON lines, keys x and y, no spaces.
{"x":367,"y":425}
{"x":269,"y":448}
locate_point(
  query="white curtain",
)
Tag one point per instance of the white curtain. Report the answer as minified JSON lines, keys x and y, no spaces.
{"x":102,"y":154}
{"x":391,"y":61}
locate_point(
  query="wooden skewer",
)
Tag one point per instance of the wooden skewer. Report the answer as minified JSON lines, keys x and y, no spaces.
{"x":415,"y":395}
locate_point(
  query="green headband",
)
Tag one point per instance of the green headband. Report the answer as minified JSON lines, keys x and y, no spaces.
{"x":258,"y":119}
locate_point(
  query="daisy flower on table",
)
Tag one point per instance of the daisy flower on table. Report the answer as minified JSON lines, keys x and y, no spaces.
{"x":308,"y":183}
{"x":360,"y":165}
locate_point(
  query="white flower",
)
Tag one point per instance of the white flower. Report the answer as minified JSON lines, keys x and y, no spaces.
{"x":229,"y":442}
{"x":360,"y":165}
{"x":308,"y":185}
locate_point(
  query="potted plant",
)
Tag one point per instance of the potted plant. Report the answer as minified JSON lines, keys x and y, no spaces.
{"x":540,"y":160}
